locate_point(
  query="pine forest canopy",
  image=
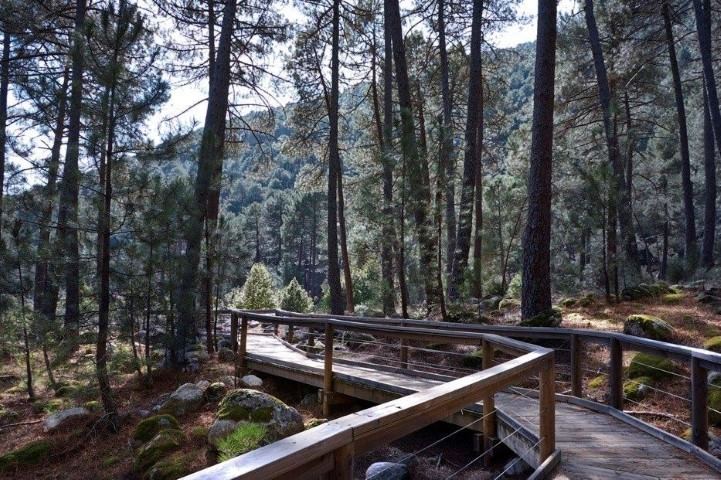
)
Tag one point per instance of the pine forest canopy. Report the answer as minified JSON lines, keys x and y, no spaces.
{"x":420,"y":170}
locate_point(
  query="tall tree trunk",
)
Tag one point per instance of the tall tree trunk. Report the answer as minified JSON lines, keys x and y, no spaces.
{"x":612,"y":242}
{"x":632,"y":266}
{"x":690,"y":230}
{"x":336,"y":294}
{"x":401,"y":243}
{"x":536,"y":282}
{"x":4,"y":86}
{"x":385,"y":142}
{"x":70,"y":184}
{"x":445,"y":143}
{"x":476,"y":267}
{"x":213,"y":200}
{"x":347,"y":279}
{"x":702,"y":10}
{"x":421,"y":199}
{"x":709,"y":163}
{"x":470,"y":160}
{"x":26,"y":340}
{"x":210,"y":155}
{"x":101,"y":353}
{"x":45,"y":293}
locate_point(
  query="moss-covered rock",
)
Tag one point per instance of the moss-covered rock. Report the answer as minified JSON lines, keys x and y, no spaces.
{"x":551,"y":318}
{"x":648,"y":326}
{"x":636,"y":389}
{"x":215,"y":391}
{"x":509,"y":303}
{"x":170,"y":468}
{"x":645,"y":290}
{"x":161,"y":444}
{"x":713,"y":344}
{"x":48,"y":406}
{"x":259,"y":407}
{"x":650,"y":366}
{"x":462,"y":312}
{"x":68,"y":419}
{"x":148,"y":428}
{"x":473,"y":360}
{"x":31,"y":454}
{"x":188,"y":398}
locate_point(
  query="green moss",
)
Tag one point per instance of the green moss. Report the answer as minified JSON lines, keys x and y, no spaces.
{"x":229,"y":411}
{"x":30,"y":454}
{"x":568,"y":302}
{"x":164,"y":442}
{"x":597,"y":382}
{"x":246,"y":437}
{"x":650,"y":366}
{"x":48,"y":406}
{"x":713,"y":344}
{"x":314,"y":422}
{"x":508,"y":303}
{"x":199,"y":433}
{"x":551,"y":318}
{"x":473,"y":359}
{"x":148,"y":428}
{"x":262,"y":414}
{"x":110,"y":461}
{"x":587,"y":300}
{"x":714,"y":404}
{"x":633,"y":389}
{"x":672,"y":298}
{"x":175,"y":466}
{"x":92,"y":405}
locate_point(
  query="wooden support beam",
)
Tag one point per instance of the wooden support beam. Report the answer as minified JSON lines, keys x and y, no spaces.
{"x":343,"y":463}
{"x":242,"y":358}
{"x":547,"y":410}
{"x":234,"y":331}
{"x":699,"y":397}
{"x":328,"y":370}
{"x":576,"y":371}
{"x":489,"y":405}
{"x":615,"y":375}
{"x":404,"y":350}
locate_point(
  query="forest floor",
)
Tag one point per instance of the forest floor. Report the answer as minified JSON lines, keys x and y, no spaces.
{"x":98,"y":454}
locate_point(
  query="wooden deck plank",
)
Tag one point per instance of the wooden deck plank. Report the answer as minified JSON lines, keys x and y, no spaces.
{"x":593,"y":445}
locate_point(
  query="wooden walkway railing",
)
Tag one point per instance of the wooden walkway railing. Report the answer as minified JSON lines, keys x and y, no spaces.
{"x":330,"y":448}
{"x":697,"y":362}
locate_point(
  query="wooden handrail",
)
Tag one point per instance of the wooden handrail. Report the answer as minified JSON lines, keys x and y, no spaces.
{"x":699,"y":361}
{"x":330,"y":447}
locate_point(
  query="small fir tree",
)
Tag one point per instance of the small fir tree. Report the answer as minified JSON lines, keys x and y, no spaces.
{"x":294,"y":298}
{"x":258,"y":293}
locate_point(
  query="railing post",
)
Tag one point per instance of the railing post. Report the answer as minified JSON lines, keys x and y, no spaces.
{"x":615,"y":375}
{"x":243,"y":346}
{"x":489,"y":406}
{"x":343,"y":463}
{"x":328,"y":370}
{"x":576,"y":376}
{"x":234,"y":331}
{"x":699,"y":396}
{"x":404,"y":349}
{"x":547,"y":410}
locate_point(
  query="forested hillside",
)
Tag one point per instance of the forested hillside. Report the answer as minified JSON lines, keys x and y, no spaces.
{"x":415,"y":159}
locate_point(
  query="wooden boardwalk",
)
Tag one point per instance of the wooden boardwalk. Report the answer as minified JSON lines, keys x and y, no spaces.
{"x":593,"y":445}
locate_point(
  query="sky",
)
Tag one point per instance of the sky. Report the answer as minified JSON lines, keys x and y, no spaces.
{"x":183,"y":98}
